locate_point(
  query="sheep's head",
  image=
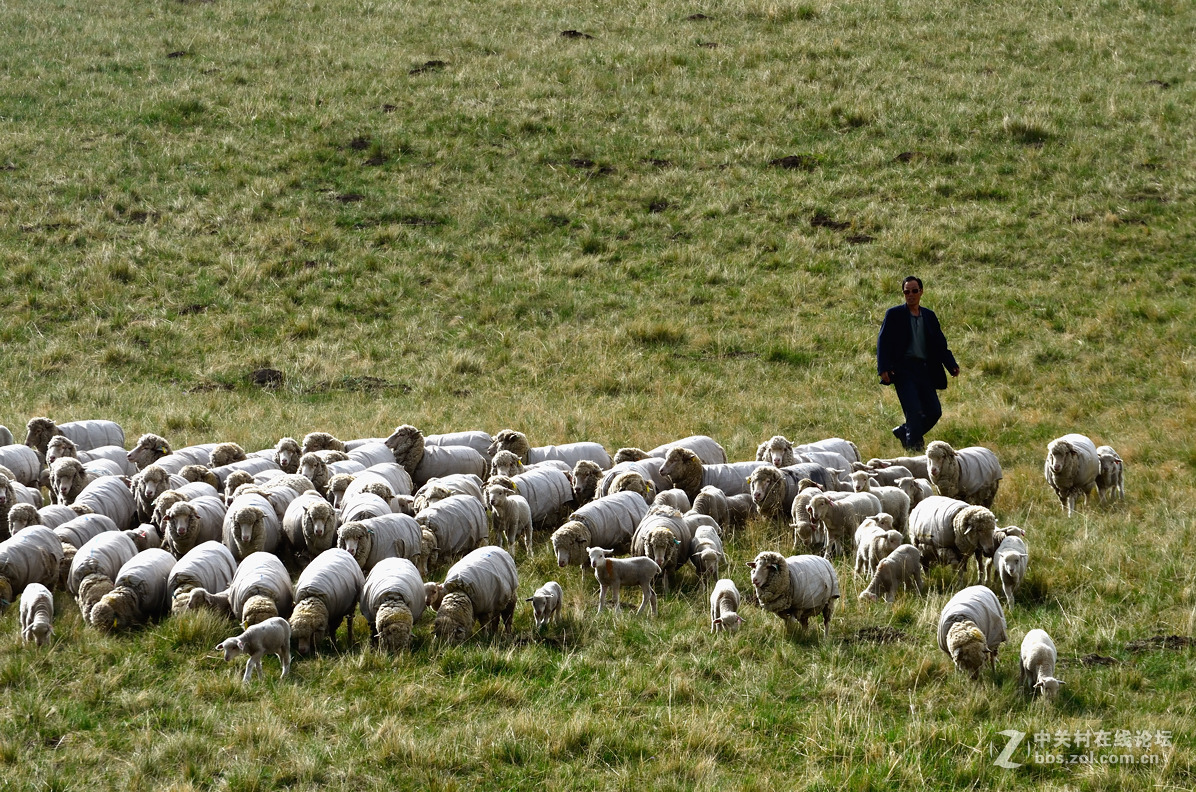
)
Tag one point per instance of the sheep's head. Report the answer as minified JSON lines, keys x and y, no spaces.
{"x":163,"y":504}
{"x":660,"y":544}
{"x":430,"y":494}
{"x":433,"y":594}
{"x":631,"y":454}
{"x":64,"y":476}
{"x":729,"y":621}
{"x":510,"y":440}
{"x":287,"y":454}
{"x":318,"y":520}
{"x":356,"y":539}
{"x":182,"y":519}
{"x":116,"y":610}
{"x":706,"y":563}
{"x":38,"y":433}
{"x":257,"y":609}
{"x":394,"y":624}
{"x":1046,"y":686}
{"x":235,"y":480}
{"x":145,"y":537}
{"x":152,"y":481}
{"x":967,"y":646}
{"x":454,"y":618}
{"x":336,"y":488}
{"x":762,"y":480}
{"x":974,"y":528}
{"x":321,"y":441}
{"x":379,"y":488}
{"x":226,"y":454}
{"x":315,"y":469}
{"x":149,"y":449}
{"x":586,"y":475}
{"x":429,"y":550}
{"x":60,"y":447}
{"x":20,"y":517}
{"x":569,"y":541}
{"x":861,"y":481}
{"x":505,"y":463}
{"x":937,"y":455}
{"x":309,"y":624}
{"x":248,"y":521}
{"x":779,"y":452}
{"x":39,"y":633}
{"x":1060,"y":454}
{"x":200,"y":473}
{"x":8,"y":494}
{"x":407,"y":444}
{"x":496,"y":498}
{"x":767,"y":566}
{"x":630,"y":481}
{"x":818,"y":507}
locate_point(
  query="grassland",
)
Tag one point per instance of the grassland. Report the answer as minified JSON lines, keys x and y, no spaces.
{"x":450,"y":215}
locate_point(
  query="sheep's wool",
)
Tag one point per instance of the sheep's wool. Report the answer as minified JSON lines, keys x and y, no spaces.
{"x":310,"y":620}
{"x":257,"y":609}
{"x":455,"y":611}
{"x":394,"y":626}
{"x":967,"y":647}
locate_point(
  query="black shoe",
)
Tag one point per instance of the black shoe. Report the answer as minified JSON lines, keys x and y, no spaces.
{"x":900,"y":433}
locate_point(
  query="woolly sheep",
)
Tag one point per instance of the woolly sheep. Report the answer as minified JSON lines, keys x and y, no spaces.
{"x":91,"y":590}
{"x":586,"y":475}
{"x":673,"y":498}
{"x":1011,"y":559}
{"x":970,"y":474}
{"x":893,"y":500}
{"x":947,"y":530}
{"x":1110,"y":480}
{"x":22,"y":515}
{"x":614,"y":573}
{"x":836,"y":519}
{"x":649,"y":470}
{"x":150,"y":483}
{"x":235,"y":480}
{"x":370,"y":454}
{"x":724,"y":606}
{"x":712,"y":501}
{"x":37,"y":614}
{"x":546,"y":603}
{"x":104,"y":554}
{"x":1071,"y":469}
{"x":796,"y":587}
{"x":363,"y":506}
{"x":273,"y":636}
{"x":321,"y":441}
{"x":23,"y":462}
{"x":475,"y":438}
{"x":916,"y":489}
{"x":55,"y":515}
{"x":549,"y":495}
{"x":86,"y":435}
{"x":225,"y":454}
{"x":252,"y":466}
{"x":394,"y":475}
{"x":706,"y":449}
{"x":387,"y":536}
{"x":665,"y":537}
{"x":706,"y":553}
{"x":392,"y":601}
{"x":874,"y":540}
{"x":208,"y":565}
{"x":337,"y":486}
{"x":162,"y":503}
{"x":898,"y":568}
{"x":458,"y":524}
{"x":630,"y":455}
{"x":918,"y":466}
{"x":1036,"y":663}
{"x":512,"y":517}
{"x":61,"y":447}
{"x":481,"y":586}
{"x":774,"y":489}
{"x":32,"y":556}
{"x":149,"y":449}
{"x":570,"y":453}
{"x":139,"y":593}
{"x":260,"y":589}
{"x":189,"y":523}
{"x":443,"y":486}
{"x":606,"y":522}
{"x":327,"y":594}
{"x":68,"y":477}
{"x":287,"y":454}
{"x":250,"y":525}
{"x":971,"y":627}
{"x":309,"y":525}
{"x":684,"y":470}
{"x":630,"y":481}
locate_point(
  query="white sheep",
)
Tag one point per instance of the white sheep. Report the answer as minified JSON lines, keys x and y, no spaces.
{"x":797,"y":587}
{"x":1036,"y":663}
{"x":706,"y":553}
{"x":481,"y":586}
{"x":392,"y":601}
{"x":104,"y":554}
{"x":512,"y":517}
{"x":37,"y":614}
{"x":665,"y":537}
{"x":250,"y":525}
{"x":970,"y":474}
{"x":916,"y":489}
{"x":609,"y":521}
{"x":209,"y":566}
{"x":972,"y":627}
{"x":260,"y":589}
{"x":614,"y":573}
{"x":898,"y":568}
{"x":1011,"y":559}
{"x":893,"y":500}
{"x":1072,"y":467}
{"x":570,"y":453}
{"x":1110,"y":481}
{"x":546,"y":603}
{"x":950,"y":531}
{"x":273,"y":636}
{"x":110,"y":496}
{"x":326,"y":594}
{"x":724,"y":606}
{"x":139,"y":592}
{"x":874,"y":540}
{"x":837,"y":518}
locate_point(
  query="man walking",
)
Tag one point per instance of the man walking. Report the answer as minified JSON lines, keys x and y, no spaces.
{"x":911,"y":353}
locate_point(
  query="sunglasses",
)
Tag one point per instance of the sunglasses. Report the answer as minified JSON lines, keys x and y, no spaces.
{"x":910,"y":291}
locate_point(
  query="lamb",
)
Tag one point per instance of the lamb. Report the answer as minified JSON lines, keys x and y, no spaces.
{"x":458,"y":524}
{"x":37,"y":614}
{"x":874,"y":540}
{"x":724,"y":606}
{"x":250,"y":525}
{"x":837,"y":519}
{"x":273,"y":636}
{"x":893,"y":500}
{"x":706,"y":553}
{"x":1036,"y":663}
{"x":209,"y":566}
{"x":898,"y":568}
{"x":916,"y":489}
{"x":287,"y":454}
{"x":673,"y":498}
{"x":260,"y":589}
{"x":309,"y":525}
{"x":614,"y":573}
{"x":104,"y":554}
{"x":321,"y":441}
{"x":372,"y":540}
{"x":683,"y":469}
{"x":570,"y":453}
{"x":949,"y":531}
{"x":139,"y":594}
{"x":86,"y":435}
{"x":481,"y":586}
{"x":149,"y":449}
{"x":512,"y":517}
{"x":586,"y":475}
{"x":1012,"y":559}
{"x":392,"y":601}
{"x":706,"y":449}
{"x":327,"y":594}
{"x":546,"y":603}
{"x":1110,"y":480}
{"x":797,"y":587}
{"x":971,"y":627}
{"x":189,"y":523}
{"x":917,"y":466}
{"x":712,"y":501}
{"x":32,"y":556}
{"x":606,"y":522}
{"x":665,"y":537}
{"x":970,"y":474}
{"x":1072,"y":467}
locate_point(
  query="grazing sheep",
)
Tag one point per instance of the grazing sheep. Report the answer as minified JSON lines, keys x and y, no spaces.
{"x":193,"y":522}
{"x":546,"y":603}
{"x":1036,"y":663}
{"x":724,"y":606}
{"x":433,"y":594}
{"x":458,"y":525}
{"x":145,"y":536}
{"x":712,"y":502}
{"x":512,"y":517}
{"x":683,"y":469}
{"x":86,"y":435}
{"x":739,"y":508}
{"x":273,"y":636}
{"x":260,"y":589}
{"x":139,"y":594}
{"x":835,"y":519}
{"x":614,"y":573}
{"x":327,"y":594}
{"x":1072,"y":467}
{"x":972,"y":627}
{"x":481,"y":586}
{"x":706,"y":449}
{"x":104,"y":554}
{"x":586,"y":475}
{"x":570,"y":453}
{"x":209,"y":566}
{"x":665,"y":537}
{"x":321,"y":441}
{"x":970,"y":474}
{"x":21,"y":464}
{"x":874,"y":540}
{"x":917,"y":466}
{"x":549,"y":495}
{"x":673,"y":498}
{"x":706,"y":553}
{"x":392,"y":601}
{"x":149,"y":449}
{"x":37,"y":614}
{"x":898,"y":568}
{"x":309,"y":525}
{"x":250,"y":525}
{"x":1110,"y":480}
{"x":22,"y":515}
{"x":630,"y":481}
{"x":606,"y":522}
{"x":1012,"y":559}
{"x":648,"y":468}
{"x":387,"y":536}
{"x":949,"y":531}
{"x":92,"y":589}
{"x":916,"y":489}
{"x":32,"y":556}
{"x":797,"y":587}
{"x":893,"y":500}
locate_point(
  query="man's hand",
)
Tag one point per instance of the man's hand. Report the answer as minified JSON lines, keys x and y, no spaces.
{"x":955,"y":371}
{"x":886,"y":379}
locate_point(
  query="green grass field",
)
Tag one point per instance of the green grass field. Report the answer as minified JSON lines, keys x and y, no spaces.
{"x":450,"y":215}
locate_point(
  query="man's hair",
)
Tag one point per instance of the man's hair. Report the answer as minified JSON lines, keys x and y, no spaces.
{"x":914,"y":278}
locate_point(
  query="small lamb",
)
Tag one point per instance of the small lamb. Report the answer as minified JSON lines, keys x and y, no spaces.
{"x":37,"y":614}
{"x":724,"y":606}
{"x":546,"y":603}
{"x":614,"y":573}
{"x":512,"y":516}
{"x":273,"y":636}
{"x":1011,"y":559}
{"x":898,"y":568}
{"x":1036,"y":663}
{"x":1110,"y":481}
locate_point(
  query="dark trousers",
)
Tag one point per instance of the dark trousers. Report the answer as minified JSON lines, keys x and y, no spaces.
{"x":919,"y":401}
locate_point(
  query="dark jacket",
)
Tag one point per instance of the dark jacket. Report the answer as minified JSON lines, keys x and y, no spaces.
{"x":894,"y":340}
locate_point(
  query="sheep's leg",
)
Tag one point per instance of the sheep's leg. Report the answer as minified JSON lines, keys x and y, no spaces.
{"x":601,"y":595}
{"x":284,"y":657}
{"x":652,"y":593}
{"x":617,"y":586}
{"x":826,"y":619}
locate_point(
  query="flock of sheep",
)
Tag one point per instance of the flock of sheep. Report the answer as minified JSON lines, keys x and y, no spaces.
{"x":136,"y":535}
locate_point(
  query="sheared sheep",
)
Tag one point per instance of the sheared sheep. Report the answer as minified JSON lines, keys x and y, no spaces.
{"x":970,"y":474}
{"x":684,"y":469}
{"x":570,"y":453}
{"x":458,"y":525}
{"x":481,"y":586}
{"x":392,"y":601}
{"x":104,"y":554}
{"x":949,"y":531}
{"x":724,"y":606}
{"x":512,"y":517}
{"x":614,"y":573}
{"x":898,"y":568}
{"x":972,"y":627}
{"x":606,"y":522}
{"x":1110,"y":481}
{"x":37,"y":614}
{"x":665,"y":537}
{"x":260,"y":589}
{"x":139,"y":594}
{"x":193,"y":522}
{"x":1071,"y":469}
{"x":387,"y":536}
{"x":327,"y":594}
{"x":209,"y":566}
{"x":1036,"y":663}
{"x":546,"y":603}
{"x":797,"y":587}
{"x":273,"y":636}
{"x":836,"y":519}
{"x":874,"y":540}
{"x":586,"y":475}
{"x":893,"y":500}
{"x":1011,"y":559}
{"x":916,"y":489}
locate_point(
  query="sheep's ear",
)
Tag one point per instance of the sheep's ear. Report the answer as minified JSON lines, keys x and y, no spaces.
{"x":529,"y":599}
